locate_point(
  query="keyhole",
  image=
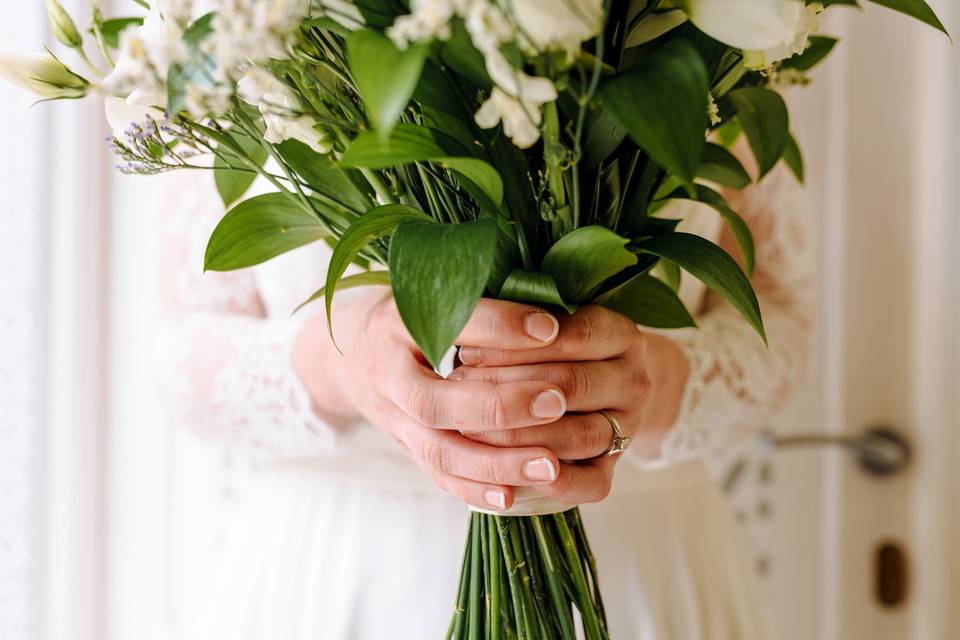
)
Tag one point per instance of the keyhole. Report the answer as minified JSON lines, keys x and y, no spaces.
{"x":891,"y":574}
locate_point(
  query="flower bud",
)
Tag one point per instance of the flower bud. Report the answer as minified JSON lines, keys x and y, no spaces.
{"x":62,"y":25}
{"x":748,"y":24}
{"x":43,"y":74}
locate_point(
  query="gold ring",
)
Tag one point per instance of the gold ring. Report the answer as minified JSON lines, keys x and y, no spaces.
{"x":620,"y":442}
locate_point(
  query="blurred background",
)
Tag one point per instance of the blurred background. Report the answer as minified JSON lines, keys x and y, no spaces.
{"x":108,"y":515}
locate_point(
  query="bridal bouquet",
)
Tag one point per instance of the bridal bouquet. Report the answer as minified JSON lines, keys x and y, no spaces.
{"x":518,"y":149}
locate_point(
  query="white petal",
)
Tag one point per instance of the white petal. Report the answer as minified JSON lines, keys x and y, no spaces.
{"x":748,"y":24}
{"x":121,"y":114}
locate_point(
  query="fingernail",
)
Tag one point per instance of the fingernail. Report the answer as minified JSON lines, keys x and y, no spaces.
{"x":540,"y":469}
{"x":495,"y":499}
{"x":549,"y":404}
{"x":541,"y":326}
{"x":470,"y":355}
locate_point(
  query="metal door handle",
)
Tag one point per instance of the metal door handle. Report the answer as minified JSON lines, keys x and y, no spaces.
{"x":880,"y":451}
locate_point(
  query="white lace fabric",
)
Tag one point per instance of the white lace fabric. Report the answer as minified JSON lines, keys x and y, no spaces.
{"x":226,"y":369}
{"x":736,"y":383}
{"x":229,"y":376}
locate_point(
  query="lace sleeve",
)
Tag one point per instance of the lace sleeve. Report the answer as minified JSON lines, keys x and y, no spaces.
{"x":735,"y":383}
{"x":225,"y":369}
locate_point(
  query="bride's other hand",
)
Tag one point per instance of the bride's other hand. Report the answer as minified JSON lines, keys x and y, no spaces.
{"x":602,"y":362}
{"x":383,"y":377}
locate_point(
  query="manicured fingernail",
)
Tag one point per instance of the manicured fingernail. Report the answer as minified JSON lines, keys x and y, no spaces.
{"x":549,"y":404}
{"x":541,"y":326}
{"x":540,"y":470}
{"x":495,"y":499}
{"x":470,"y":355}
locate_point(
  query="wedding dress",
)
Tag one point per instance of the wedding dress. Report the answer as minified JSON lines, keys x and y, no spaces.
{"x":342,"y":537}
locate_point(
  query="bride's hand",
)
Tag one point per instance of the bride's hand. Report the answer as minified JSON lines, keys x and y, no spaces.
{"x":383,"y":377}
{"x":601,"y":362}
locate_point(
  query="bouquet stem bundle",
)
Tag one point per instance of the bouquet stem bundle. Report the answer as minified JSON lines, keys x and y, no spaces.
{"x":528,"y":577}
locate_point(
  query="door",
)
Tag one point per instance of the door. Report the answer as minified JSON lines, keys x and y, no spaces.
{"x":848,"y":555}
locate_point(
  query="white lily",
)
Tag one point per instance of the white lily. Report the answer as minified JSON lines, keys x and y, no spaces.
{"x":550,"y":25}
{"x":753,"y":25}
{"x":121,"y":114}
{"x":43,"y":74}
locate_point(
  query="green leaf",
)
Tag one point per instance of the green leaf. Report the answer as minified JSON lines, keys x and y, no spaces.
{"x":377,"y":223}
{"x":231,"y":183}
{"x":648,"y":302}
{"x":362,"y":279}
{"x":323,"y":176}
{"x":581,"y":260}
{"x":763,"y":115}
{"x":411,"y":143}
{"x":668,"y":273}
{"x":740,"y":229}
{"x":721,"y":166}
{"x":111,"y":29}
{"x":711,"y":265}
{"x":386,"y":76}
{"x":533,"y":287}
{"x":820,"y":47}
{"x":793,"y":157}
{"x":662,"y":103}
{"x":438,"y":273}
{"x":259,"y":229}
{"x":916,"y":9}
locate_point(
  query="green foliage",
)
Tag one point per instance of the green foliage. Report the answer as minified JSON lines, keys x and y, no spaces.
{"x":533,"y":287}
{"x":376,"y":223}
{"x":648,"y":302}
{"x":583,"y":259}
{"x":259,"y":229}
{"x":232,"y":176}
{"x":385,"y":75}
{"x":721,"y":166}
{"x":323,"y":176}
{"x":711,"y":265}
{"x":409,"y":143}
{"x":820,"y":47}
{"x":793,"y":157}
{"x":438,"y":273}
{"x":362,"y":279}
{"x":916,"y":9}
{"x":763,"y":115}
{"x":662,"y":103}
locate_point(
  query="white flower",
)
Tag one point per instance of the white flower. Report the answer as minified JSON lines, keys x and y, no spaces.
{"x":280,"y":110}
{"x":146,"y":54}
{"x":120,"y":115}
{"x":521,"y":120}
{"x":799,"y":43}
{"x":43,"y":74}
{"x":748,"y":24}
{"x":549,"y":25}
{"x":428,"y":20}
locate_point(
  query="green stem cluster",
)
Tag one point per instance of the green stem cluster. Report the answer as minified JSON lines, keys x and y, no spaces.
{"x":525,"y":578}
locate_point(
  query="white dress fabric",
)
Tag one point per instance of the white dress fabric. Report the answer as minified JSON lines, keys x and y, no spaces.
{"x":343,"y":538}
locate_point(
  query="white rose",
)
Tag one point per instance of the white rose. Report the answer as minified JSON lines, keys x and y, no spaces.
{"x":748,"y":24}
{"x":801,"y":40}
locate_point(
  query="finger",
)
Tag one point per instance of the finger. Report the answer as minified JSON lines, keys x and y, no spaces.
{"x":593,"y":333}
{"x":452,"y":454}
{"x":581,"y":483}
{"x":587,"y":386}
{"x":573,"y":437}
{"x":476,"y":406}
{"x":483,"y":496}
{"x":509,"y":325}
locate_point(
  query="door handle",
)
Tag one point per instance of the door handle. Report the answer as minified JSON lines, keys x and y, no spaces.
{"x":880,"y":451}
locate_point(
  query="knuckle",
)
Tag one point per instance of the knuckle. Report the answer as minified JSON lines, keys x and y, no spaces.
{"x":498,"y":411}
{"x":642,"y":384}
{"x":434,"y":456}
{"x":421,"y":405}
{"x":592,"y":437}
